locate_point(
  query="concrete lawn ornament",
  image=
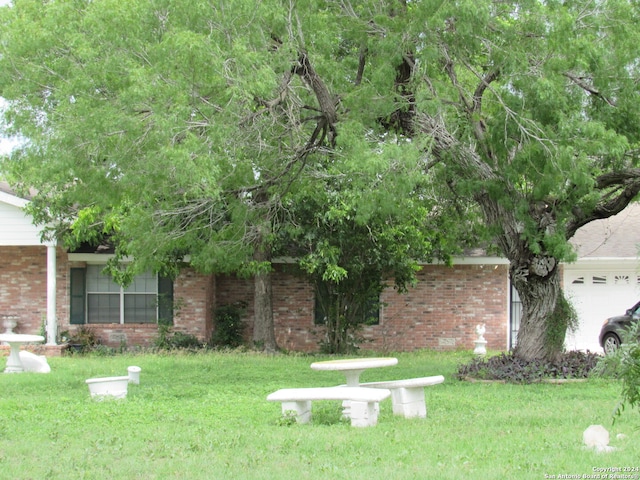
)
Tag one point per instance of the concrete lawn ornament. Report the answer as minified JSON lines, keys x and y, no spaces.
{"x":481,"y":343}
{"x":597,"y":438}
{"x":134,"y":374}
{"x":34,"y":363}
{"x":113,"y":387}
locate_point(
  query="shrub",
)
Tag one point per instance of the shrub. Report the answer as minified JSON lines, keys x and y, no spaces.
{"x":83,"y":340}
{"x":624,"y":364}
{"x":229,"y":327}
{"x":170,"y":340}
{"x":630,"y":375}
{"x":510,"y":368}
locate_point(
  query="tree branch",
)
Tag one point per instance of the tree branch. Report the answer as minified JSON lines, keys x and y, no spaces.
{"x":362,"y":58}
{"x":327,"y":102}
{"x":580,"y":81}
{"x":619,"y":190}
{"x":451,"y":73}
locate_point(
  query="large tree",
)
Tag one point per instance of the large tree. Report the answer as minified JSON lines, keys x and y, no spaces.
{"x":171,"y":130}
{"x":192,"y":122}
{"x":356,"y":234}
{"x":531,"y":107}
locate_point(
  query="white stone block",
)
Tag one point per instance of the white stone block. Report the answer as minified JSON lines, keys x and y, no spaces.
{"x":302,"y":410}
{"x":363,"y":414}
{"x":134,"y":374}
{"x":408,"y":395}
{"x":597,"y":437}
{"x":34,"y":363}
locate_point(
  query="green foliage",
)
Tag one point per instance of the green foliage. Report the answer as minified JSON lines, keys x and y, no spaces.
{"x":345,"y":308}
{"x":624,"y":364}
{"x":563,"y":318}
{"x":183,"y":129}
{"x":229,"y":328}
{"x":630,"y":375}
{"x":353,"y":236}
{"x":83,"y":340}
{"x":168,"y":339}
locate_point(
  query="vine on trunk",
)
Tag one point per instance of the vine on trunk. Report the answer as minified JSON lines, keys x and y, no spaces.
{"x":563,"y":318}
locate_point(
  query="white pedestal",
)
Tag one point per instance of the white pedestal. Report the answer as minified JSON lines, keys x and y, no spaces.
{"x":481,"y":347}
{"x":14,"y":364}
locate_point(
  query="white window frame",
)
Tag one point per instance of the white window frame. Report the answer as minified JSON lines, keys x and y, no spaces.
{"x":121,"y":292}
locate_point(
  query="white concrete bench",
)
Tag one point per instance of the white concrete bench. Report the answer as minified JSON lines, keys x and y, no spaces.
{"x":363,"y":402}
{"x":407,"y":396}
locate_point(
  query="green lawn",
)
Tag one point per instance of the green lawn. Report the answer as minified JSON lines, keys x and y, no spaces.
{"x":204,"y":416}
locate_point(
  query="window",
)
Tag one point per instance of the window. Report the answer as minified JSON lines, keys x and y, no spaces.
{"x":96,"y":298}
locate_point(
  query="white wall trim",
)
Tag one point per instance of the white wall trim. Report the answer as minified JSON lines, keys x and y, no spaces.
{"x":13,"y":200}
{"x":94,"y":258}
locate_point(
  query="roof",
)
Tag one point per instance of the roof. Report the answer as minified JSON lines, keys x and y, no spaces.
{"x":9,"y":196}
{"x":613,"y":237}
{"x":5,"y":188}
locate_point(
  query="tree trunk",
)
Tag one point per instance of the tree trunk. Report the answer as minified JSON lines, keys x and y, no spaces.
{"x":542,"y":327}
{"x":536,"y":277}
{"x":263,"y":327}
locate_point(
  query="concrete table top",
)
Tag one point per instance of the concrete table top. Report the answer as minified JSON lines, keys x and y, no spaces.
{"x":353,"y":367}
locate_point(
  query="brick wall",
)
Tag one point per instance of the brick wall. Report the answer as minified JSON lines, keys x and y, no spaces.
{"x":193,"y":297}
{"x":441,"y":312}
{"x":23,"y":286}
{"x":231,"y":290}
{"x":23,"y":293}
{"x":293,"y":312}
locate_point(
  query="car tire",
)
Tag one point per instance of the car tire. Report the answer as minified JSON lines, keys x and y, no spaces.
{"x":610,"y":343}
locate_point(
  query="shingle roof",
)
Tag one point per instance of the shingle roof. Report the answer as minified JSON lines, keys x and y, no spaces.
{"x":614,"y":237}
{"x":5,"y":188}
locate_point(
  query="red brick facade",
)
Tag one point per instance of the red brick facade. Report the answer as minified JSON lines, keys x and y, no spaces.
{"x":23,"y":286}
{"x":441,"y":312}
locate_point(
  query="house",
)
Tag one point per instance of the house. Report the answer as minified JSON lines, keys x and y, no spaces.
{"x":44,"y":285}
{"x":605,"y":281}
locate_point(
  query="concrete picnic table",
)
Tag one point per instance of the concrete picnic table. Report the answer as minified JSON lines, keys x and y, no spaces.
{"x":353,"y":367}
{"x":14,"y":364}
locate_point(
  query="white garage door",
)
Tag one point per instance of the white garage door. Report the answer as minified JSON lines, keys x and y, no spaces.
{"x":597,"y":294}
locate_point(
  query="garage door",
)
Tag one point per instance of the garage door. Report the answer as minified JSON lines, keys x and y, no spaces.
{"x":598,"y":294}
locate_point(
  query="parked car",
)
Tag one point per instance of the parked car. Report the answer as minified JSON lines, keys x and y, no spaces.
{"x":612,"y":328}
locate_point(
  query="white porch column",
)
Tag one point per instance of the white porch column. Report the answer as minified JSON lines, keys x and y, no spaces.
{"x":52,"y":325}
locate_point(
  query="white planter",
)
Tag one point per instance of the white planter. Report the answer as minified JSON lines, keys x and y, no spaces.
{"x":9,"y":323}
{"x":134,"y":374}
{"x":115,"y":387}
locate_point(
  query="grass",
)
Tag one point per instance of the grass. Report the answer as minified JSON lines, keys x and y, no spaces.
{"x":204,"y":416}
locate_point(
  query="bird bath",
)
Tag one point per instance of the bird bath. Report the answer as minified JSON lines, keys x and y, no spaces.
{"x":14,"y":363}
